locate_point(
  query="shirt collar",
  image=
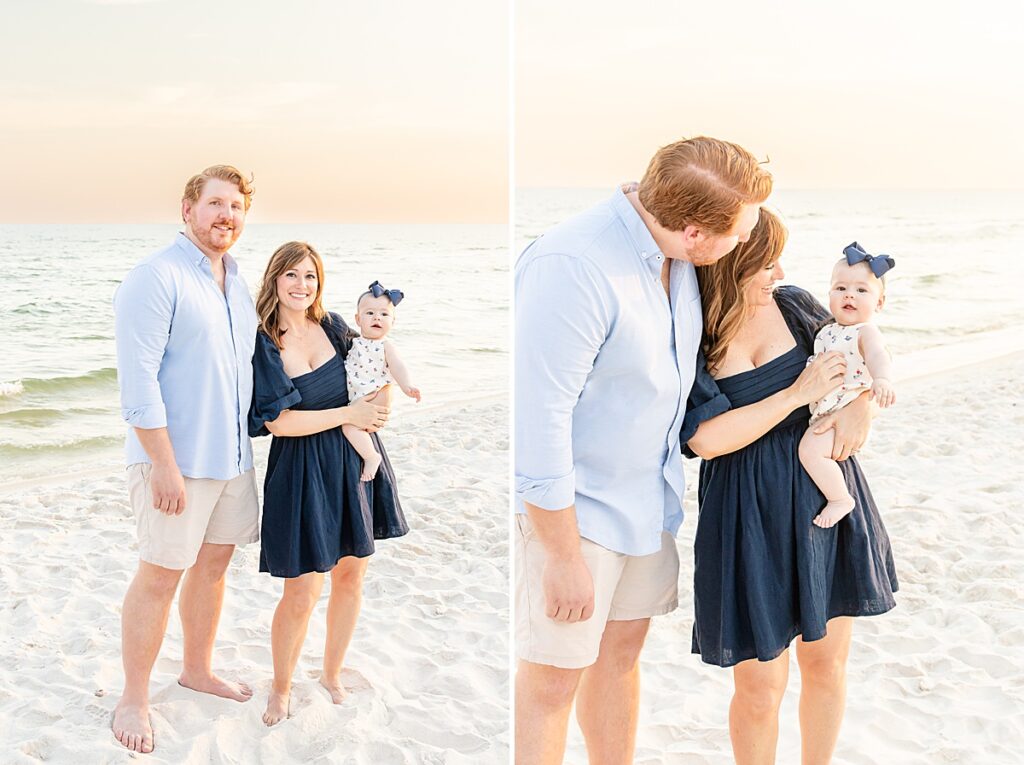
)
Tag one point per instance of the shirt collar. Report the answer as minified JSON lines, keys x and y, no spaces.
{"x":636,"y":228}
{"x":196,"y":256}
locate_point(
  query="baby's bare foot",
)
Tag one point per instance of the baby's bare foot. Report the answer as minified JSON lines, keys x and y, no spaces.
{"x":131,"y":727}
{"x":834,"y":512}
{"x":370,"y":468}
{"x":335,"y":688}
{"x":277,"y":708}
{"x":217,"y":686}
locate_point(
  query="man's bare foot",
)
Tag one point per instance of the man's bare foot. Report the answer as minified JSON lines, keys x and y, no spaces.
{"x":335,"y":688}
{"x":218,"y":686}
{"x":834,"y":512}
{"x":131,"y":727}
{"x":370,"y":467}
{"x":277,"y":708}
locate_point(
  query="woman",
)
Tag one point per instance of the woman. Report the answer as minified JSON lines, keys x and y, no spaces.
{"x":318,"y":517}
{"x":764,"y":574}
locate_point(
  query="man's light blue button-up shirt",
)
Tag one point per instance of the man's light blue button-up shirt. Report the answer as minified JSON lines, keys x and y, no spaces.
{"x":604,"y":361}
{"x":184,"y":359}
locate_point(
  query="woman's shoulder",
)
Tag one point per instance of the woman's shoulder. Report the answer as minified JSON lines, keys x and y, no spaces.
{"x":265,"y":344}
{"x":338,"y":332}
{"x":797,"y":300}
{"x":332,"y":321}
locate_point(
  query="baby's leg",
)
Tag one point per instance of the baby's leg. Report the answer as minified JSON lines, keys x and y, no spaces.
{"x":816,"y":457}
{"x":362,"y":443}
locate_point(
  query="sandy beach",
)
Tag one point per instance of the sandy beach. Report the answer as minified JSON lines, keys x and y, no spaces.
{"x":428,"y":667}
{"x":940,"y":679}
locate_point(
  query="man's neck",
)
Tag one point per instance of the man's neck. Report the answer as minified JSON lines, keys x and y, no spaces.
{"x":216,"y":258}
{"x":669,"y":248}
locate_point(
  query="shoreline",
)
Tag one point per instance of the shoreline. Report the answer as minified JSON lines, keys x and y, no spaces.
{"x":408,"y":412}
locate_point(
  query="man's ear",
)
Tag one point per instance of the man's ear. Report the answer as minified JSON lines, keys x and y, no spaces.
{"x":186,"y":210}
{"x":692,"y":234}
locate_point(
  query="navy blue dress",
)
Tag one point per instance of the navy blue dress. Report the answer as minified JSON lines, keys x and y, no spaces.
{"x":763,"y":572}
{"x":315,"y":509}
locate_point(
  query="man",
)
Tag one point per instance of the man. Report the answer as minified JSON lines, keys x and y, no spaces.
{"x":185,"y":327}
{"x":608,"y":324}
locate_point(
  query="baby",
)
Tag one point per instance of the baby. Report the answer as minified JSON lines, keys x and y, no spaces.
{"x":372,"y":365}
{"x":857,"y":292}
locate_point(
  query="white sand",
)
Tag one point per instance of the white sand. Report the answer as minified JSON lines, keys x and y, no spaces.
{"x":940,"y":679}
{"x":428,"y":665}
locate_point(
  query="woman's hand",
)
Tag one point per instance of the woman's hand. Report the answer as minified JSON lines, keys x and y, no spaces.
{"x":367,"y":416}
{"x":822,"y":376}
{"x":852,"y":424}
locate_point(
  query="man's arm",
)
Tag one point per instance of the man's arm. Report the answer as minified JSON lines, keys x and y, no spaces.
{"x":568,"y":584}
{"x":143,"y":307}
{"x":166,"y":481}
{"x":561,"y":323}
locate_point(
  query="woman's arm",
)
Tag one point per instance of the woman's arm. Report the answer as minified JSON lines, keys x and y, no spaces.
{"x":737,"y":428}
{"x":399,"y":371}
{"x":361,"y":413}
{"x":852,"y":424}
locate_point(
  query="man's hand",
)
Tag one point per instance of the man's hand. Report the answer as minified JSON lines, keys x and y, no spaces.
{"x":168,"y":488}
{"x":568,"y":590}
{"x":852,"y":424}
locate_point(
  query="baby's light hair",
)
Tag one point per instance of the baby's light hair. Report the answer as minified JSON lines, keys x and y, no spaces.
{"x":842,"y":261}
{"x":359,"y":301}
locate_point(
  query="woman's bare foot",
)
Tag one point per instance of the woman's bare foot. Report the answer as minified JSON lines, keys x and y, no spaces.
{"x":834,"y":512}
{"x":277,"y":708}
{"x":217,"y":686}
{"x":370,"y":466}
{"x":335,"y":688}
{"x":131,"y":727}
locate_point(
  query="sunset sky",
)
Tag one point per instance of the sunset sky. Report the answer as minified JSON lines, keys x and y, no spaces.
{"x":344,"y":111}
{"x":883,"y":95}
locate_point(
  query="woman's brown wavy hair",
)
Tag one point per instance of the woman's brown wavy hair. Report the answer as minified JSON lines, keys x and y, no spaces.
{"x":723,"y":285}
{"x":288,"y":255}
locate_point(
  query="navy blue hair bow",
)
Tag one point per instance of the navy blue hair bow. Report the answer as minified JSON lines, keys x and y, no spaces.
{"x":395,"y":296}
{"x":878,"y":264}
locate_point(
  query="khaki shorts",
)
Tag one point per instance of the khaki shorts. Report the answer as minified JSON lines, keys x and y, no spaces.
{"x":626,"y":587}
{"x":219,"y":512}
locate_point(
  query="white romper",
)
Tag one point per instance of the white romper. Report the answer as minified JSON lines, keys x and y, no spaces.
{"x":846,"y":340}
{"x":366,"y":368}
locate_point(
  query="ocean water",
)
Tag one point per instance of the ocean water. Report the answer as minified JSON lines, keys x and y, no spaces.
{"x":59,"y":405}
{"x":959,"y":254}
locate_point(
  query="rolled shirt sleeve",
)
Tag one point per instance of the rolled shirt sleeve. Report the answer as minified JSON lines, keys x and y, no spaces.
{"x":143,"y":308}
{"x":562,"y":320}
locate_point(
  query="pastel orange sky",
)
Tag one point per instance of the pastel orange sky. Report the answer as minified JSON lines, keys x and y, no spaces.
{"x":869,"y":95}
{"x":345,"y":112}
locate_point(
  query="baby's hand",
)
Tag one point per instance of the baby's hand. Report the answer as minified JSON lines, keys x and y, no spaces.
{"x":412,"y":392}
{"x":883,"y":392}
